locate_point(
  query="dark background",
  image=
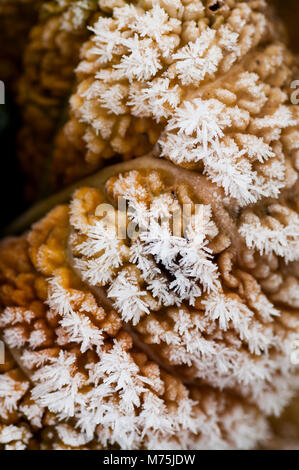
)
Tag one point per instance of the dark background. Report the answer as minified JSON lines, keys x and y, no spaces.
{"x":11,"y":178}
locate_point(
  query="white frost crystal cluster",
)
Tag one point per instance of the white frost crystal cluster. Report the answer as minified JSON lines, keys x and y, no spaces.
{"x":186,"y":258}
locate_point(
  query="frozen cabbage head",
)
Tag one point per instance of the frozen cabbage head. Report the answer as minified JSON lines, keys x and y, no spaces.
{"x":155,"y":304}
{"x":206,"y":85}
{"x":145,"y":310}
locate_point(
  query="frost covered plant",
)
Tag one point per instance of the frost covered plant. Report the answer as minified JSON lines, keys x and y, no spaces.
{"x":142,"y":332}
{"x":159,"y":250}
{"x":16,"y":19}
{"x":156,"y":307}
{"x":205,"y":87}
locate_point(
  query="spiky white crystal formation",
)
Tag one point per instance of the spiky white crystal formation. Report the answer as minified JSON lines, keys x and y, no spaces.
{"x":209,"y":88}
{"x":184,"y":256}
{"x":51,"y":53}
